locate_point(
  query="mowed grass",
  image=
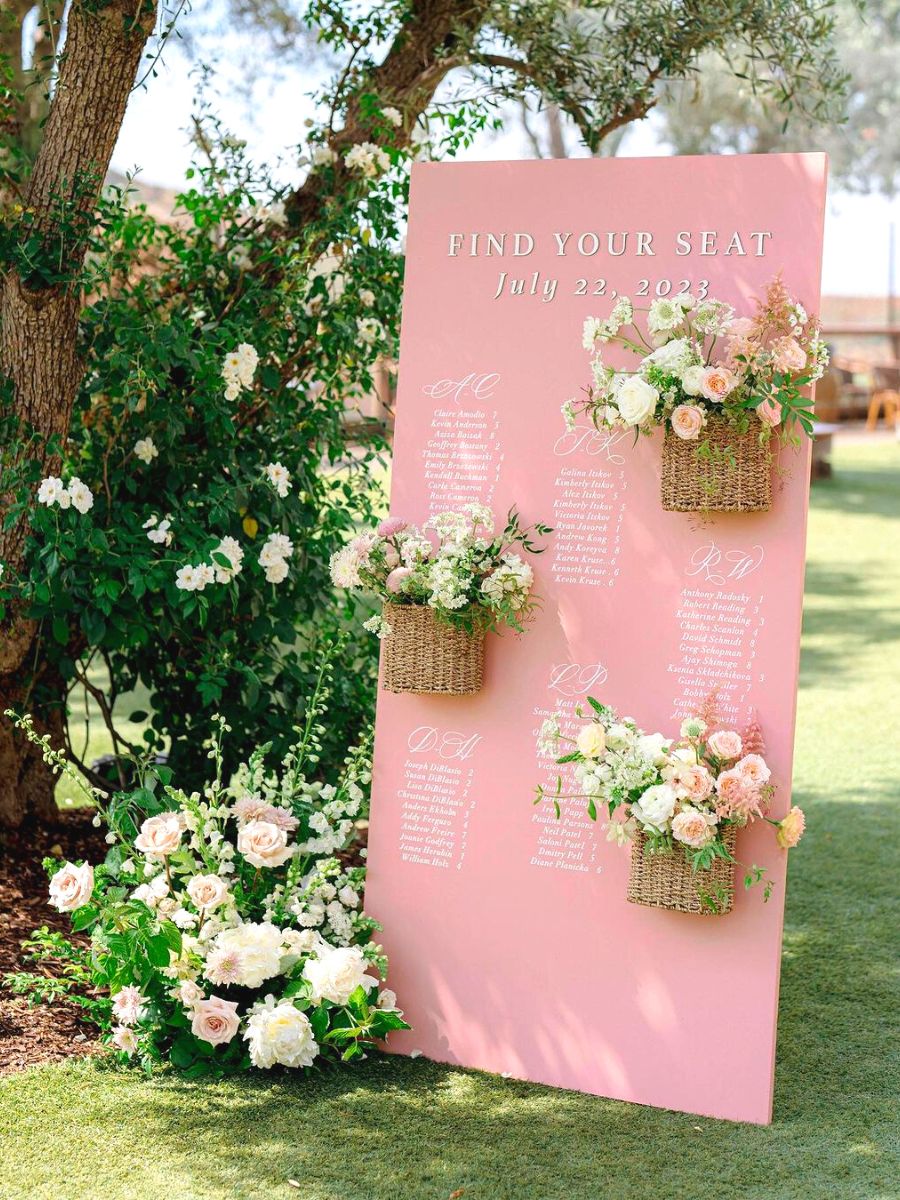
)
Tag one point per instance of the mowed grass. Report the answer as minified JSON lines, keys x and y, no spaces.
{"x":412,"y":1130}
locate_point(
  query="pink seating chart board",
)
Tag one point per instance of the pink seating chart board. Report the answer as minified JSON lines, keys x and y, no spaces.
{"x":512,"y":946}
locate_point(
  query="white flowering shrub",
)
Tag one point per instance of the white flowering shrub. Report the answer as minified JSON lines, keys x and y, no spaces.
{"x":226,"y":924}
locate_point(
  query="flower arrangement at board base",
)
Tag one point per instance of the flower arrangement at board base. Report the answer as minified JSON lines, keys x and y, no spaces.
{"x":718,"y":384}
{"x":226,"y":927}
{"x":439,"y":601}
{"x":680,"y":803}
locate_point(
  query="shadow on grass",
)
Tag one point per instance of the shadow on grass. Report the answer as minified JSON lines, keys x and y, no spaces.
{"x":858,"y":490}
{"x":404,"y":1129}
{"x":834,"y":633}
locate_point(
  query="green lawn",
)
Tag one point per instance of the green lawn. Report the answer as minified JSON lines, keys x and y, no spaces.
{"x":411,"y":1130}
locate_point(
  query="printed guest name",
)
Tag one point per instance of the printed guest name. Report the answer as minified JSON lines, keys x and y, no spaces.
{"x":707,"y":243}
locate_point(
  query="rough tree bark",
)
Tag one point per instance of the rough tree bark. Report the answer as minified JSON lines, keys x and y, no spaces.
{"x":39,"y":331}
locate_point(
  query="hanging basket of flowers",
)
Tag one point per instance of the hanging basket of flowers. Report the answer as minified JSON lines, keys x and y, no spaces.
{"x":442,"y":588}
{"x":730,"y":471}
{"x":669,"y":880}
{"x":679,"y":803}
{"x":721,"y":387}
{"x":421,"y":654}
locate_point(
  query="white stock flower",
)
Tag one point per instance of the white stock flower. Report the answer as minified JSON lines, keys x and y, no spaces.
{"x":277,"y":1033}
{"x":145,"y":450}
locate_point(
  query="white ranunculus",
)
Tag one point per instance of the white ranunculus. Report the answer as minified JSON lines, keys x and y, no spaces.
{"x":336,"y":974}
{"x":636,"y":400}
{"x":278,"y":1033}
{"x":591,"y":740}
{"x":654,"y":747}
{"x":258,"y":950}
{"x":692,"y":380}
{"x":655,"y":807}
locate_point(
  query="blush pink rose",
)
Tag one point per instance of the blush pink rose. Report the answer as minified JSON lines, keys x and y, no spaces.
{"x":214,"y":1020}
{"x":789,"y":355}
{"x":753,"y":770}
{"x":263,"y":844}
{"x":397,"y":578}
{"x":769,"y":413}
{"x":790,"y":830}
{"x":692,"y":782}
{"x":71,"y":887}
{"x":693,"y":827}
{"x":717,"y":382}
{"x":160,"y":836}
{"x":207,"y":891}
{"x":725,"y":744}
{"x":687,"y":421}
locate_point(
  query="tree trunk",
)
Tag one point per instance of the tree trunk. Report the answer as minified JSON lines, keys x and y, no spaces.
{"x":39,"y":331}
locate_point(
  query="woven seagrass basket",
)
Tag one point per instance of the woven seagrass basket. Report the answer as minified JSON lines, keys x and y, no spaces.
{"x":427,"y":656}
{"x":667,"y":881}
{"x":737,"y":478}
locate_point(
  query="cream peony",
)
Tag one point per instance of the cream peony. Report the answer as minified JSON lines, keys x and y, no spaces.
{"x":654,"y":747}
{"x":655,"y":807}
{"x":208,"y":891}
{"x":71,"y":886}
{"x":636,"y":400}
{"x":335,"y":974}
{"x":160,"y":836}
{"x":591,"y":740}
{"x":263,"y":844}
{"x":278,"y":1033}
{"x":214,"y":1020}
{"x":257,"y":949}
{"x":693,"y":827}
{"x":725,"y":744}
{"x":687,"y":421}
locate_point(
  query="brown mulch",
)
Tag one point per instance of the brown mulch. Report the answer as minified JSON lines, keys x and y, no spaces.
{"x":32,"y":1034}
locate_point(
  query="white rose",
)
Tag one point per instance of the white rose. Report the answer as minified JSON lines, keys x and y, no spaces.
{"x":207,"y":891}
{"x":636,"y":400}
{"x":336,"y":974}
{"x":692,"y":380}
{"x":159,"y":836}
{"x":71,"y":887}
{"x":591,"y":740}
{"x":656,"y":806}
{"x":263,"y":844}
{"x":279,"y":1033}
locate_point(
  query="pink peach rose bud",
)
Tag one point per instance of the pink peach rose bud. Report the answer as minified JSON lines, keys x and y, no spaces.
{"x":214,"y":1020}
{"x":769,"y":413}
{"x":687,"y":421}
{"x":725,"y":744}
